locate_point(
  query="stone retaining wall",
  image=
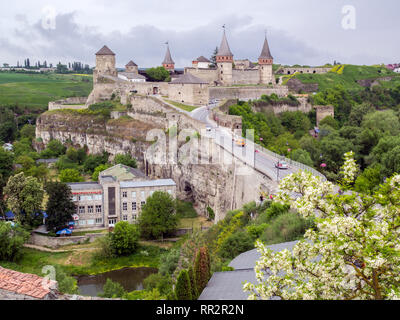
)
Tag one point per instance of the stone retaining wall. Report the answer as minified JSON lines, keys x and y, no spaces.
{"x":69,"y":103}
{"x":246,"y":93}
{"x":55,"y":242}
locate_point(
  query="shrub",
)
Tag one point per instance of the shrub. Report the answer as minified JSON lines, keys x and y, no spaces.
{"x":275,"y":209}
{"x":169,"y":262}
{"x":12,"y":240}
{"x":163,"y":283}
{"x":202,"y":268}
{"x":286,"y":227}
{"x":105,"y":250}
{"x":112,"y":290}
{"x":185,"y":209}
{"x":66,"y":284}
{"x":236,"y":244}
{"x":125,"y":238}
{"x":193,"y":286}
{"x":183,"y":288}
{"x":126,"y":160}
{"x":255,"y":231}
{"x":70,"y":175}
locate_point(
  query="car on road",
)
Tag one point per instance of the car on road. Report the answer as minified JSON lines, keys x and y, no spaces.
{"x":208,"y":129}
{"x":240,"y":142}
{"x":281,"y":165}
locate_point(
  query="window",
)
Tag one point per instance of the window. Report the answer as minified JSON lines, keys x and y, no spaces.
{"x":81,"y":209}
{"x":98,"y":197}
{"x":134,"y":217}
{"x":151,"y":193}
{"x":134,"y":208}
{"x":98,"y":209}
{"x":90,"y":209}
{"x":143,"y":195}
{"x":170,"y":192}
{"x":74,"y":198}
{"x":124,"y":206}
{"x":99,"y":220}
{"x":82,"y":222}
{"x":143,"y":203}
{"x":124,"y":194}
{"x":90,"y":222}
{"x":112,"y":222}
{"x":133,"y":195}
{"x":125,"y":217}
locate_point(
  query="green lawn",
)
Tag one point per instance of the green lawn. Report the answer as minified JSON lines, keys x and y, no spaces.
{"x":351,"y":74}
{"x":181,"y":105}
{"x":36,"y":90}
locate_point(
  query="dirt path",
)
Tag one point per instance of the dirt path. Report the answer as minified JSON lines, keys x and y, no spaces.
{"x":40,"y":248}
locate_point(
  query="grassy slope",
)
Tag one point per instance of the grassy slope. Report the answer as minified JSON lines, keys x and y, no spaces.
{"x":351,"y":74}
{"x":36,"y":90}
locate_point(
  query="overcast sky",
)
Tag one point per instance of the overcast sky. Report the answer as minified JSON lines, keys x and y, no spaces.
{"x":307,"y":32}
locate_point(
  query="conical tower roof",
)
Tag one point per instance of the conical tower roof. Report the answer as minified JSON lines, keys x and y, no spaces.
{"x":131,"y":64}
{"x":168,"y":58}
{"x":105,"y":51}
{"x":265,"y":53}
{"x":224,"y":49}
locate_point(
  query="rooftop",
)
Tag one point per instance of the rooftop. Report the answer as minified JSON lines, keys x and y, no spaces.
{"x":265,"y":52}
{"x":147,"y":183}
{"x":168,"y":58}
{"x":188,"y":78}
{"x":132,"y":75}
{"x":229,"y":285}
{"x":121,"y":172}
{"x":224,"y":49}
{"x":131,"y":64}
{"x":24,"y":284}
{"x":202,"y":59}
{"x":105,"y":51}
{"x":77,"y":186}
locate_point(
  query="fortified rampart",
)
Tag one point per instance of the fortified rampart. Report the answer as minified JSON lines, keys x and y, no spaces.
{"x":304,"y":106}
{"x":246,"y":93}
{"x":306,"y":70}
{"x":70,"y":103}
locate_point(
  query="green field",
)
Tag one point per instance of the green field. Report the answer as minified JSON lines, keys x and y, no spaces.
{"x":351,"y":73}
{"x":36,"y":90}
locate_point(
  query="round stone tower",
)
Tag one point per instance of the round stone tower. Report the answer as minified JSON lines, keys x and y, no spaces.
{"x":224,"y":61}
{"x":105,"y":64}
{"x":265,"y":62}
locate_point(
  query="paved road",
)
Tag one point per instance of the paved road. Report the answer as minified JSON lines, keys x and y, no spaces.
{"x":250,"y":153}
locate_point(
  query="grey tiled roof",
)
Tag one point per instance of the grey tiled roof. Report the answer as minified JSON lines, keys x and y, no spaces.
{"x":132,"y":75}
{"x":265,"y":53}
{"x":77,"y":186}
{"x":247,"y":260}
{"x":105,"y":51}
{"x":224,"y":49}
{"x":188,"y":78}
{"x":202,"y":59}
{"x":229,"y":285}
{"x":147,"y":183}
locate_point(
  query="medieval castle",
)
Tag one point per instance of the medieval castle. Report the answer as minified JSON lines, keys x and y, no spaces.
{"x":197,"y":85}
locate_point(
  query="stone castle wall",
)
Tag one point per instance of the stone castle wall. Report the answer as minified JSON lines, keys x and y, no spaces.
{"x":311,"y":70}
{"x":246,"y":76}
{"x":323,"y":112}
{"x":193,"y":94}
{"x":209,"y":75}
{"x":68,"y":103}
{"x":246,"y":93}
{"x":277,"y":109}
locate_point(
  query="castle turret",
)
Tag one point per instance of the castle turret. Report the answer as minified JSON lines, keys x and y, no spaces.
{"x":224,"y":61}
{"x":265,"y":62}
{"x":168,"y":63}
{"x":132,"y":67}
{"x":105,"y":64}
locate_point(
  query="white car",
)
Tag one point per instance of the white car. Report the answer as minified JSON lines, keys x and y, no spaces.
{"x":208,"y":129}
{"x":281,"y":165}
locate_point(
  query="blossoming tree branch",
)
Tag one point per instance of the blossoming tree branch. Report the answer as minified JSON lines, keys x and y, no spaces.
{"x":352,"y":252}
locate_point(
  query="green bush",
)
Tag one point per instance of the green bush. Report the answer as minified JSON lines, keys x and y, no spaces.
{"x":236,"y":244}
{"x":284,"y":228}
{"x":275,"y":209}
{"x":255,"y":231}
{"x":66,"y":284}
{"x":112,"y":290}
{"x":169,"y":262}
{"x":183,"y":288}
{"x":163,"y":283}
{"x":12,"y":240}
{"x":185,"y":209}
{"x":125,"y":238}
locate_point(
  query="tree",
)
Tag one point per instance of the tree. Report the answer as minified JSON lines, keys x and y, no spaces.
{"x":12,"y":239}
{"x":213,"y":58}
{"x":112,"y":290}
{"x":70,"y":175}
{"x":126,"y":160}
{"x":158,"y":216}
{"x":6,"y":163}
{"x":193,"y":286}
{"x":351,"y":253}
{"x":24,"y":198}
{"x":302,"y":156}
{"x":28,"y":131}
{"x":158,"y":74}
{"x":100,"y":168}
{"x":60,"y":206}
{"x":330,"y":121}
{"x":183,"y":290}
{"x":54,"y":149}
{"x":125,"y":238}
{"x":93,"y":161}
{"x":202,"y":268}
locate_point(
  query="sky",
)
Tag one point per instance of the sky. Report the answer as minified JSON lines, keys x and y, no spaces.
{"x":306,"y":32}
